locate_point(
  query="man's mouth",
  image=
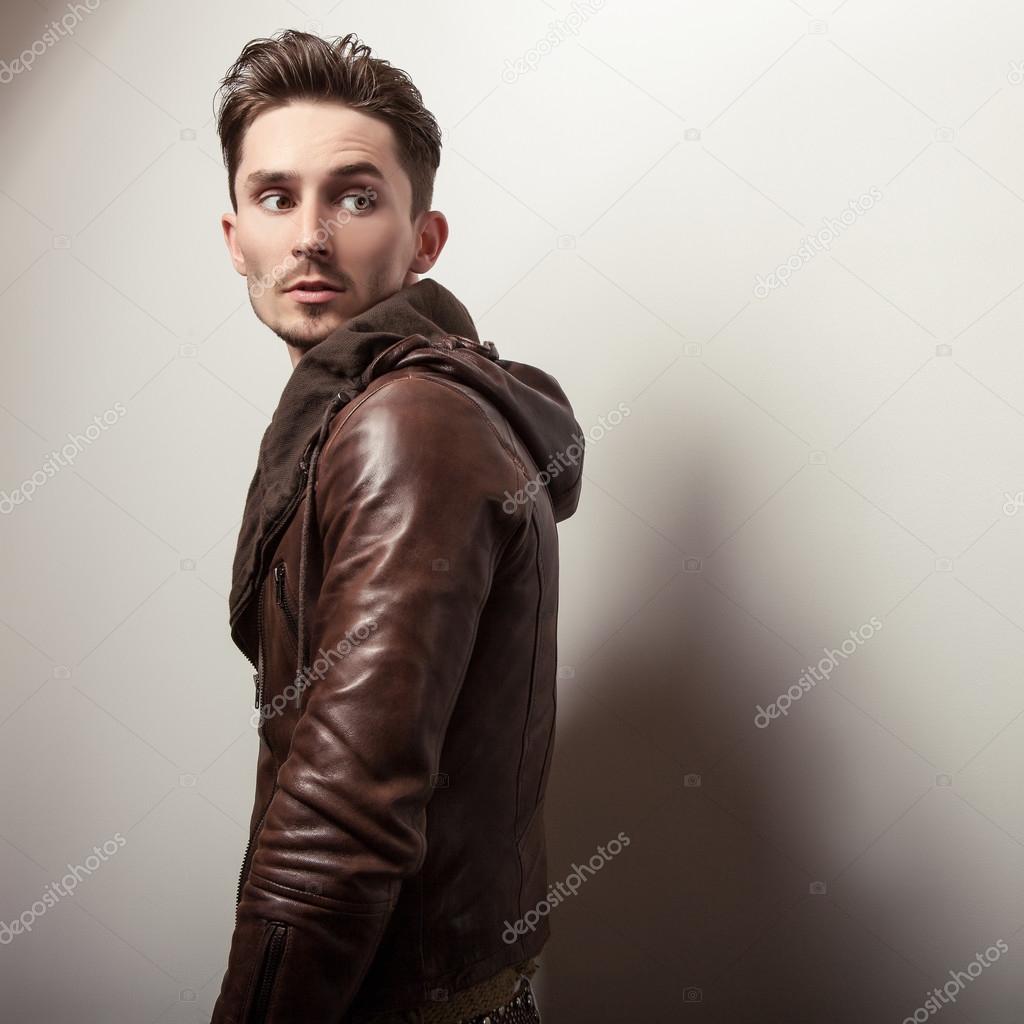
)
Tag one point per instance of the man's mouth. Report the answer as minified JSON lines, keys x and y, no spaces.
{"x":313,"y":289}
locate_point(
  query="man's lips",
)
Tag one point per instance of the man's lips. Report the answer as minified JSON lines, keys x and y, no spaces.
{"x":313,"y":291}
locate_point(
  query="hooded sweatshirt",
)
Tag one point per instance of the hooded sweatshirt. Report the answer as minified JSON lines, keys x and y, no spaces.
{"x":424,"y":325}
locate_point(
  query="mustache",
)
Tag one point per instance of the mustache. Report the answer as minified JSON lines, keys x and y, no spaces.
{"x":328,"y":280}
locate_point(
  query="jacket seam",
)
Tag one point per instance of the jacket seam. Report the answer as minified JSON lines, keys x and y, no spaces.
{"x":536,"y":646}
{"x":371,"y":909}
{"x":539,"y":565}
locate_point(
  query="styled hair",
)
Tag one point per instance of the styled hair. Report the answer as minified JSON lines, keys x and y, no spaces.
{"x":295,"y":65}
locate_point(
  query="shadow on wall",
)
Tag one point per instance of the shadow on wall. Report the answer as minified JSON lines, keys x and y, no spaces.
{"x":718,"y":906}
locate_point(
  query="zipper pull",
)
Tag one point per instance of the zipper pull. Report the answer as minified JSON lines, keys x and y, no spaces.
{"x":279,"y":584}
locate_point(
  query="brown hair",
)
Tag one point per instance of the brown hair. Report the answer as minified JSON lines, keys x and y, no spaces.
{"x":297,"y":65}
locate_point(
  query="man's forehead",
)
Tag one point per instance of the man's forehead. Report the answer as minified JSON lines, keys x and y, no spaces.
{"x":328,"y":133}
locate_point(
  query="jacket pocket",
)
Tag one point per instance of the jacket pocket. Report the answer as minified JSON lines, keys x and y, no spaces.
{"x":263,"y":984}
{"x":284,"y":601}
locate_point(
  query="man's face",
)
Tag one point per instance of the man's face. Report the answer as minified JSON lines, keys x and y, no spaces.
{"x":304,"y":215}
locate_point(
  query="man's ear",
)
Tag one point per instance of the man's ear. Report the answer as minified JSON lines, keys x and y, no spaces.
{"x":432,"y":233}
{"x":229,"y":223}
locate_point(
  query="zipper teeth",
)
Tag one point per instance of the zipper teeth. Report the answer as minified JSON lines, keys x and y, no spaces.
{"x":270,"y":962}
{"x":248,"y":847}
{"x":259,"y":646}
{"x":280,"y":577}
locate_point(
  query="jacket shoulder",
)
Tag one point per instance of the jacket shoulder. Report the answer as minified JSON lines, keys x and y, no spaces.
{"x":417,"y":406}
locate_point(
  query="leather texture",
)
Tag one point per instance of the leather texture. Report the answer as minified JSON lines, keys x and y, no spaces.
{"x":397,"y":828}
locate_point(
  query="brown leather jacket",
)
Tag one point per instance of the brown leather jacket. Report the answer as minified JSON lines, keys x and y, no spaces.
{"x":397,"y":591}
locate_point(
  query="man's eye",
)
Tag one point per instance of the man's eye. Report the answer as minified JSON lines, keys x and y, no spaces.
{"x":364,"y":199}
{"x":272,"y":196}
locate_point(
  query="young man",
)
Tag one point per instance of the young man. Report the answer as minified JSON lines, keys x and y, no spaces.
{"x":395,"y":583}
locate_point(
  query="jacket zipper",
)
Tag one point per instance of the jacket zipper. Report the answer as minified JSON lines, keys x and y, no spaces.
{"x":259,"y":648}
{"x":281,"y":594}
{"x":258,"y":680}
{"x":284,"y":517}
{"x":271,"y":961}
{"x":248,"y":848}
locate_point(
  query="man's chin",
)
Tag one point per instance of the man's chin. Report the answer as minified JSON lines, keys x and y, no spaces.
{"x":306,"y":330}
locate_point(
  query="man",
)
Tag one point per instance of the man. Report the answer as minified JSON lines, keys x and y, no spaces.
{"x":395,"y":583}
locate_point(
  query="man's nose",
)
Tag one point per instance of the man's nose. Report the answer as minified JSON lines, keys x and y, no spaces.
{"x":314,"y":239}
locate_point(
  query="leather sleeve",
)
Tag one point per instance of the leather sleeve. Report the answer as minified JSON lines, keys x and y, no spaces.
{"x":408,"y":502}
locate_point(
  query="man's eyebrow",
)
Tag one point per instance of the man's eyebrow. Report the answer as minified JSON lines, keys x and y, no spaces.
{"x":263,"y":177}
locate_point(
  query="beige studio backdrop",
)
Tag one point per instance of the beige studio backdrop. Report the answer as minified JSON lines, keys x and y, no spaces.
{"x":772,"y":251}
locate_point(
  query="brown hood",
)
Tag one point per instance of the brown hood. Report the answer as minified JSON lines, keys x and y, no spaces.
{"x":421,"y":325}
